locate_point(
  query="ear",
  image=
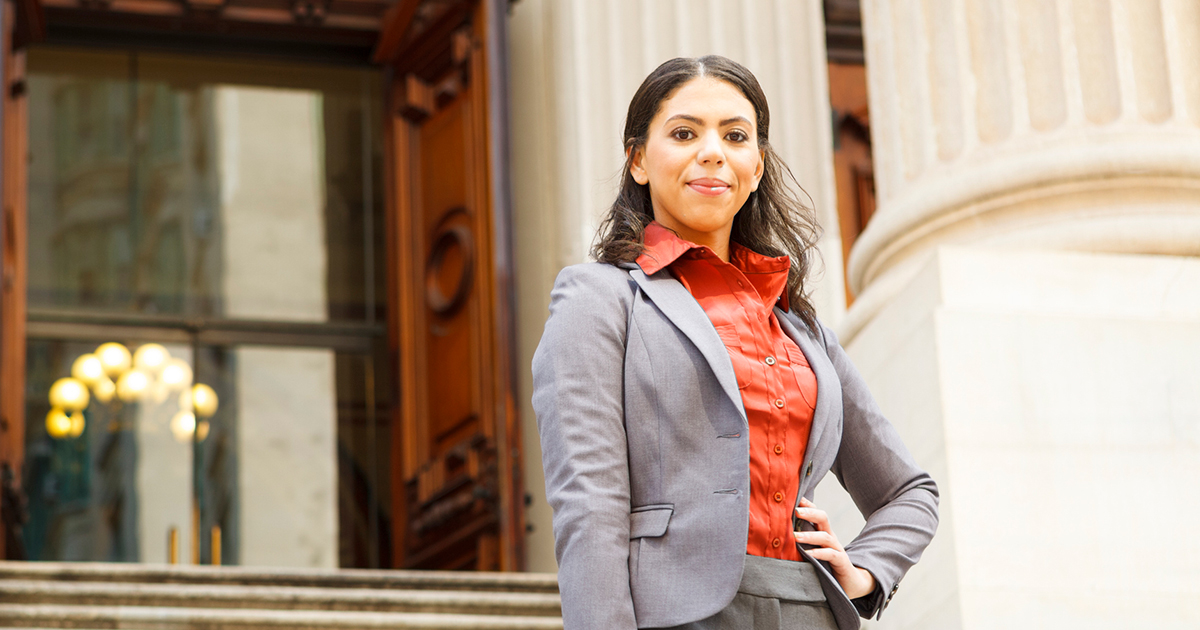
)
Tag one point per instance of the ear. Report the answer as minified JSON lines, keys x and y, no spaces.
{"x":636,"y":165}
{"x":758,"y":170}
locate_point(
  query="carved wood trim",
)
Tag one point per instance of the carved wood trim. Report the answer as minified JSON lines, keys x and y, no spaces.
{"x":396,"y":23}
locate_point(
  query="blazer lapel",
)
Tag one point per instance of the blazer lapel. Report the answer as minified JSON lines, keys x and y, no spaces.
{"x":828,"y":387}
{"x":670,"y":296}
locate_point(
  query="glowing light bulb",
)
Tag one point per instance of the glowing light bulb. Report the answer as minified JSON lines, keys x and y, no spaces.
{"x":88,"y":369}
{"x":176,"y":374}
{"x":202,"y":430}
{"x":204,"y":400}
{"x":182,"y":426}
{"x":104,"y":389}
{"x":114,"y":357}
{"x":69,"y":394}
{"x":132,"y":385}
{"x":77,"y":424}
{"x":58,"y":424}
{"x":150,"y":357}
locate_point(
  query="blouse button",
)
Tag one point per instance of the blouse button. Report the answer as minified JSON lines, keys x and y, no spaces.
{"x":769,"y":360}
{"x":779,"y":403}
{"x":775,"y":543}
{"x":778,"y":497}
{"x":778,"y":449}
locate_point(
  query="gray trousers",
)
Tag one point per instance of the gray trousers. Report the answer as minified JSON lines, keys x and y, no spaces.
{"x":774,"y":595}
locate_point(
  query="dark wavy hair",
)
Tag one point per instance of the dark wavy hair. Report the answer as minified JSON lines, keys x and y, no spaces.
{"x":773,"y":221}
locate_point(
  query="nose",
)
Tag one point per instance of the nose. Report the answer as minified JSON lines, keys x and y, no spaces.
{"x":711,"y":151}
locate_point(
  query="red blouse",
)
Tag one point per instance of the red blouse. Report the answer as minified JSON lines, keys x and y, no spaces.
{"x":779,"y":389}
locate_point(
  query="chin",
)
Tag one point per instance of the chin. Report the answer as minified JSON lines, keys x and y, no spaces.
{"x":708,"y":226}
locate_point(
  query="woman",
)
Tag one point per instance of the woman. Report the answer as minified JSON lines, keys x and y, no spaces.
{"x":689,"y":402}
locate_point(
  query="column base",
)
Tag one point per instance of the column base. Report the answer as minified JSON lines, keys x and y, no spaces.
{"x":1054,"y":398}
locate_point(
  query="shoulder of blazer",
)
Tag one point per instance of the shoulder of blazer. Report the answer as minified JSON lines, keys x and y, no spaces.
{"x":595,"y":282}
{"x":595,"y":272}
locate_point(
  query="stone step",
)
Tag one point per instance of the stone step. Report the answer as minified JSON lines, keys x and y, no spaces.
{"x":170,"y":618}
{"x":339,"y":578}
{"x":278,"y":597}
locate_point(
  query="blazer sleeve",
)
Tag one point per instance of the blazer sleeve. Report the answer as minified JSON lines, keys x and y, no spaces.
{"x":578,"y":398}
{"x":898,"y":499}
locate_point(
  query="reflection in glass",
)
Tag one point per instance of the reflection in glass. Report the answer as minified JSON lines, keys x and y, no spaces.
{"x":99,"y":495}
{"x":291,"y":464}
{"x":176,"y":186}
{"x":207,"y":193}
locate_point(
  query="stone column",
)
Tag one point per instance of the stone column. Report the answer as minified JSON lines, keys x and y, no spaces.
{"x":274,"y":264}
{"x":575,"y":65}
{"x":1053,"y":124}
{"x":1029,"y":304}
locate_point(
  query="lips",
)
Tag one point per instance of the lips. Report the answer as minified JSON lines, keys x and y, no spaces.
{"x":708,"y":186}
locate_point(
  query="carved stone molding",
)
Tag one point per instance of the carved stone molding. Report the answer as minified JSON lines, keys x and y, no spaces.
{"x":1068,"y":124}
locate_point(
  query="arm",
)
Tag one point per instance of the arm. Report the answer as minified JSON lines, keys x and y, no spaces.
{"x":578,"y":397}
{"x":898,"y":499}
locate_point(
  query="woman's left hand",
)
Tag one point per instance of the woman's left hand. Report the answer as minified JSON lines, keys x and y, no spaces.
{"x":855,"y":581}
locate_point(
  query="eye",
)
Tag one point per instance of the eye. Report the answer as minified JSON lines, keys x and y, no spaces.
{"x":683,"y":133}
{"x":737,"y":136}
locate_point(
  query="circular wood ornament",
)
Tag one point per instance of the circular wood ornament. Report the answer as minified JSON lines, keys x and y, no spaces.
{"x":447,"y":238}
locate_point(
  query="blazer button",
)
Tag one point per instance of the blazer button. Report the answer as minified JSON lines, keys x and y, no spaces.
{"x":775,"y":543}
{"x":769,"y":360}
{"x":779,"y":403}
{"x":778,"y":449}
{"x":778,"y":497}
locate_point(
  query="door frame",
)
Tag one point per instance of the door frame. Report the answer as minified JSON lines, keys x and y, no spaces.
{"x":15,"y":26}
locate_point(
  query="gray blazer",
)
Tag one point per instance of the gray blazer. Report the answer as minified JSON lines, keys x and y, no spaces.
{"x":646,"y":452}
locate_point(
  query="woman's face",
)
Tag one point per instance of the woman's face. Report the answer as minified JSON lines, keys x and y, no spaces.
{"x":701,"y":160}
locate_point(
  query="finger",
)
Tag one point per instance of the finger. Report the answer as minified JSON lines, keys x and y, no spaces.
{"x":824,"y":539}
{"x":815,"y":516}
{"x":833,"y":556}
{"x":838,"y":560}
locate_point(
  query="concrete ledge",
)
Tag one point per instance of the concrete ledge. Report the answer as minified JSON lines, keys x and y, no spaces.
{"x":168,"y":618}
{"x":341,"y":578}
{"x":278,"y":597}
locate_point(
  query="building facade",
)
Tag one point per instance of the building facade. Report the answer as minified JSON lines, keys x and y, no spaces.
{"x":346,"y":220}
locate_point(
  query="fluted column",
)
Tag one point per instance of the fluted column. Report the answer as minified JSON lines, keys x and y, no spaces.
{"x":1060,"y":124}
{"x":1028,"y":307}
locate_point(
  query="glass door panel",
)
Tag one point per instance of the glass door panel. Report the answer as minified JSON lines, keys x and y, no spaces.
{"x":180,"y":186}
{"x":227,"y":211}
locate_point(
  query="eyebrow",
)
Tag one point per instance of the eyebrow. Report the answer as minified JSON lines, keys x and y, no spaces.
{"x":697,"y":121}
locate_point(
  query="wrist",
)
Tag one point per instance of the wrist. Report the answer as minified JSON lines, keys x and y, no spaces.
{"x":864,"y":584}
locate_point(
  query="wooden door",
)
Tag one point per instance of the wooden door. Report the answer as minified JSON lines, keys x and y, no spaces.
{"x":455,"y":448}
{"x":14,"y":27}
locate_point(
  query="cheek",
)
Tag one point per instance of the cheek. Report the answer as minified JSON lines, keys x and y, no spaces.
{"x":663,"y":164}
{"x":747,"y":166}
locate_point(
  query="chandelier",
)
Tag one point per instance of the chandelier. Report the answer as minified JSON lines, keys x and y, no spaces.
{"x":112,"y":375}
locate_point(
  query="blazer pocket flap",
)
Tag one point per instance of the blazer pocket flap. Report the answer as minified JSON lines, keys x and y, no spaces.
{"x":650,"y":522}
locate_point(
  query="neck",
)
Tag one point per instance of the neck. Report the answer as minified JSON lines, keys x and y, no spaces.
{"x":717,"y":241}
